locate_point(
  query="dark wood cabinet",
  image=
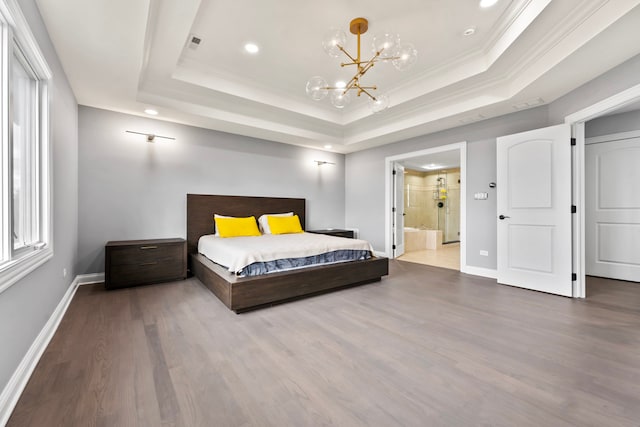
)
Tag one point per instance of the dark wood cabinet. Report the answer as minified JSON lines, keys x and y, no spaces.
{"x":334,"y":232}
{"x":142,"y":262}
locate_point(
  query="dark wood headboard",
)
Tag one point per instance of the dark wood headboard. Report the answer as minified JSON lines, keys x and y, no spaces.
{"x":201,"y":207}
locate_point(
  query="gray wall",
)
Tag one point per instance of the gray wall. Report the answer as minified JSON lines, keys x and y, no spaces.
{"x":132,"y":189}
{"x":482,"y":228}
{"x":610,"y":83}
{"x":624,"y":122}
{"x":27,"y":305}
{"x":365,"y":181}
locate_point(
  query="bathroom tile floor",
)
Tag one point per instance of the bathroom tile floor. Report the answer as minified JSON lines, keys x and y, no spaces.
{"x":448,"y":256}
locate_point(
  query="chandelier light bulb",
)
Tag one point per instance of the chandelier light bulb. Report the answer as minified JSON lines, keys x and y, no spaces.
{"x":332,"y":41}
{"x":379,"y":104}
{"x":317,"y":88}
{"x":386,"y":48}
{"x":339,"y":99}
{"x":385,"y":43}
{"x":405,"y":56}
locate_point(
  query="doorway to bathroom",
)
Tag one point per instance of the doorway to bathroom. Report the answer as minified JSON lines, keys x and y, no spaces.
{"x":427,"y":206}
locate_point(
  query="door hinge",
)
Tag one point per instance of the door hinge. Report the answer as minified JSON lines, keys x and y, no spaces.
{"x":573,"y":141}
{"x":393,"y":172}
{"x":574,"y":209}
{"x":394,"y":247}
{"x":574,"y":277}
{"x":393,"y":209}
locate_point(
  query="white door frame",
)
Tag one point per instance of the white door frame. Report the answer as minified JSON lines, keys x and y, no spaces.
{"x":388,"y":203}
{"x":577,"y":121}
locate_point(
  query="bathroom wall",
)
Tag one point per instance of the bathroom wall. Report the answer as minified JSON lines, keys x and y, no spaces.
{"x":421,"y":206}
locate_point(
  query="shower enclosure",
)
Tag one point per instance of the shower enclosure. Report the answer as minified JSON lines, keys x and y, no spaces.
{"x":432,"y":201}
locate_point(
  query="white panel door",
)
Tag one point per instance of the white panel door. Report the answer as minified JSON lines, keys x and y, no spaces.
{"x":398,"y":210}
{"x":612,"y":188}
{"x":534,"y":210}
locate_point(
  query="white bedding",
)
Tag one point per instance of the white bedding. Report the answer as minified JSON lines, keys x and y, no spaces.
{"x":236,"y":253}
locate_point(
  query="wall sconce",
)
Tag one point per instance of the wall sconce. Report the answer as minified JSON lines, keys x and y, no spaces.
{"x":323,"y":162}
{"x":150,"y":136}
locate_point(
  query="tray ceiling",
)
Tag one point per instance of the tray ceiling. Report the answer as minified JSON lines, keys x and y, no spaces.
{"x":127,"y":56}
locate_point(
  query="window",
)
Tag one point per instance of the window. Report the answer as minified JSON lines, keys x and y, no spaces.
{"x":24,"y":178}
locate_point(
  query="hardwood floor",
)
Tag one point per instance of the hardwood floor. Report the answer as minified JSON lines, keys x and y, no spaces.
{"x":424,"y":347}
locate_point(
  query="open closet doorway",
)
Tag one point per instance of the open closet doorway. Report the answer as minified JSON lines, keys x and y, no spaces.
{"x":427,"y":206}
{"x":606,"y":232}
{"x":612,"y":199}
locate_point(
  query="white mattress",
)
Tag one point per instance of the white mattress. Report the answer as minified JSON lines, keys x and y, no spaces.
{"x":235,"y":253}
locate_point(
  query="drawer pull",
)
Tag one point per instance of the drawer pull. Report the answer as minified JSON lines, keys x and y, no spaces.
{"x":149,"y":263}
{"x":148,"y":247}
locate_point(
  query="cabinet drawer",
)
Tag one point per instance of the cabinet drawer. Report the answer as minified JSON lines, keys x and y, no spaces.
{"x":145,"y":273}
{"x":143,"y":262}
{"x":334,"y":232}
{"x":347,"y":234}
{"x":141,"y":254}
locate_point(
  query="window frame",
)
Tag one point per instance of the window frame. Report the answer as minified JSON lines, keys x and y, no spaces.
{"x":16,"y":34}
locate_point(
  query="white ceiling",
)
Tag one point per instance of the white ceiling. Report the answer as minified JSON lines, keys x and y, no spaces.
{"x":434,"y":161}
{"x":127,"y":56}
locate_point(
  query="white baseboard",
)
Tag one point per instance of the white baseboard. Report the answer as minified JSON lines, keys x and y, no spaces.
{"x":17,"y":383}
{"x":89,"y":279}
{"x":480,"y":271}
{"x":380,"y":254}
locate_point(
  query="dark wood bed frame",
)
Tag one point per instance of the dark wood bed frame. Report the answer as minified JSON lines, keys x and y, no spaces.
{"x":246,"y":293}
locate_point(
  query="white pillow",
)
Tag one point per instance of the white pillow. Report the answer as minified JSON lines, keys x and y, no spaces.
{"x":264,"y":223}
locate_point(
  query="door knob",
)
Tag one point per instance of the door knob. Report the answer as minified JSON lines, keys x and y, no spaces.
{"x":503,"y":216}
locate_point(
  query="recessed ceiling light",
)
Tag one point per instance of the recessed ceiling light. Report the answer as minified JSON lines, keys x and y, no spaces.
{"x":328,"y":146}
{"x":469,"y":31}
{"x":151,"y":112}
{"x":341,"y":84}
{"x":251,"y":48}
{"x":487,"y":3}
{"x":431,"y":166}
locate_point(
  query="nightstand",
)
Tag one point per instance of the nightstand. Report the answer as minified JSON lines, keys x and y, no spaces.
{"x":142,"y":262}
{"x":334,"y":232}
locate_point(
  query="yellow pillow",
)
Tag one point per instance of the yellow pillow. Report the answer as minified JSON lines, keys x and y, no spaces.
{"x":284,"y":224}
{"x":237,"y":227}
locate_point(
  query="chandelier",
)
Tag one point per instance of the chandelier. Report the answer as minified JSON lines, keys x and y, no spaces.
{"x":386,"y":48}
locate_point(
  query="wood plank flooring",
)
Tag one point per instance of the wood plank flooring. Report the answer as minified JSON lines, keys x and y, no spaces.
{"x":424,"y":347}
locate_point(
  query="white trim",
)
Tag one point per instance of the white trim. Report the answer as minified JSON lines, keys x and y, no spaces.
{"x":578,"y":220}
{"x":14,"y":388}
{"x":380,"y":254}
{"x":463,"y":205}
{"x":612,"y":137}
{"x":480,"y":271}
{"x":89,"y":279}
{"x":19,"y":268}
{"x":619,"y":100}
{"x":462,"y":146}
{"x":577,"y":121}
{"x":12,"y":13}
{"x":15,"y":269}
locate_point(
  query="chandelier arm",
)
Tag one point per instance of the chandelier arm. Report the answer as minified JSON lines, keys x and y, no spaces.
{"x":367,"y":93}
{"x":375,"y":58}
{"x":358,"y":27}
{"x":364,"y":69}
{"x":347,"y":53}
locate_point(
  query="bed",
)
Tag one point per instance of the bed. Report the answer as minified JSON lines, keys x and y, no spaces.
{"x":246,"y":293}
